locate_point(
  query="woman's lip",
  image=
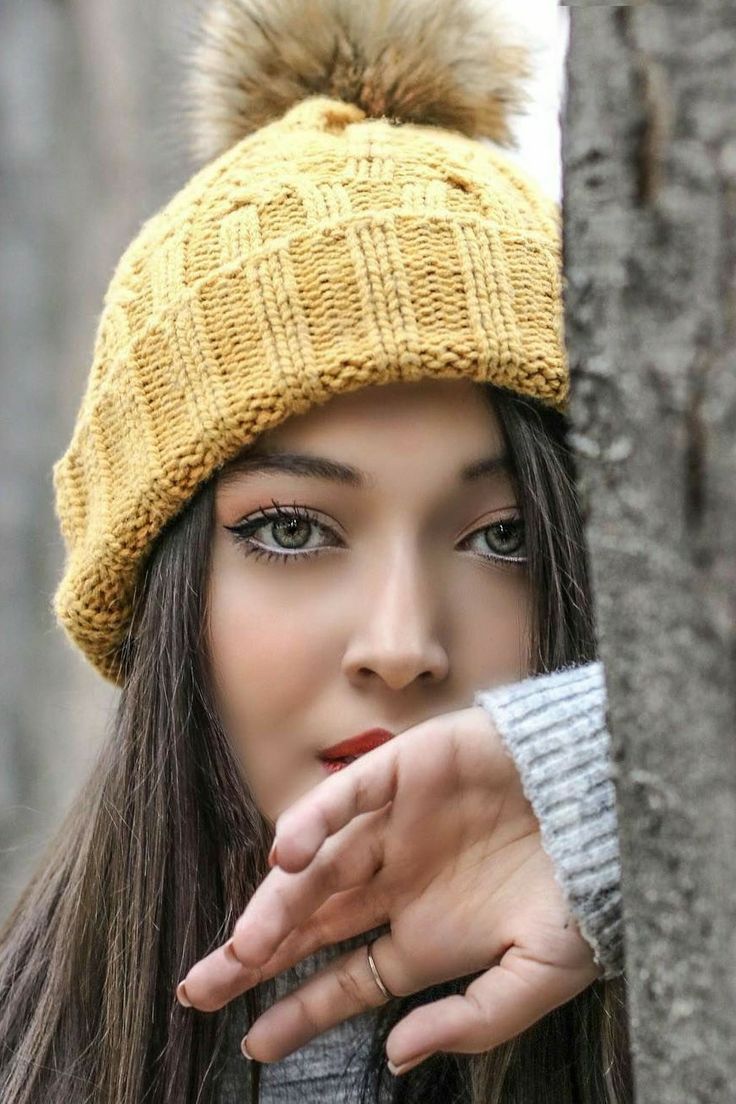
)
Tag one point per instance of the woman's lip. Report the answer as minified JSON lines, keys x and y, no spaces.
{"x":357,"y":745}
{"x":330,"y":766}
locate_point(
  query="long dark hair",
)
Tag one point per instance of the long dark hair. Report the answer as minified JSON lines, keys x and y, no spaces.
{"x":164,"y":845}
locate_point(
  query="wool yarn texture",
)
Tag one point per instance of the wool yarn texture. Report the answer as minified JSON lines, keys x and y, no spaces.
{"x":348,"y":241}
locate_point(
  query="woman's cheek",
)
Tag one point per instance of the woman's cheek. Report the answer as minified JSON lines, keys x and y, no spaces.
{"x":270,"y":639}
{"x":262,"y":678}
{"x":256,"y":645}
{"x":278,"y":636}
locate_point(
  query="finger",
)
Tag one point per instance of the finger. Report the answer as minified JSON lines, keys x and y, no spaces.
{"x":343,"y":989}
{"x":290,"y":905}
{"x":285,"y":900}
{"x":216,"y":979}
{"x":220,"y":977}
{"x":367,"y":784}
{"x":497,"y":1006}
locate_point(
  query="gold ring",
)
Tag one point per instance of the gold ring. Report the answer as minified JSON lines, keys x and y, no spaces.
{"x":376,"y":976}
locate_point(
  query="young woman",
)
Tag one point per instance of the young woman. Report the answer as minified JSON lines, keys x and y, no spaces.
{"x":318,"y":485}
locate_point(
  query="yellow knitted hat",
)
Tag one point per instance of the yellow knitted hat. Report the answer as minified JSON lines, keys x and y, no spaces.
{"x":355,"y":237}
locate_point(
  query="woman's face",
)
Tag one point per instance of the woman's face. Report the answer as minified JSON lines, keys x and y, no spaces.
{"x":378,"y":589}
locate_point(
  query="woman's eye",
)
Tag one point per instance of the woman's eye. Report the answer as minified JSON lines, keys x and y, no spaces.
{"x":281,"y":535}
{"x":501,"y":540}
{"x":295,"y":534}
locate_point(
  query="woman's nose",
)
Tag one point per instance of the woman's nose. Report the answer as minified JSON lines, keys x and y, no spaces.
{"x":396,"y":634}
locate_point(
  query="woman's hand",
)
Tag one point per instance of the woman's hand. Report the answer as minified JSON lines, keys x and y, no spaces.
{"x":432,"y":834}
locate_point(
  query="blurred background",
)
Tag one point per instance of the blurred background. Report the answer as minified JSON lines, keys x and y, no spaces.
{"x":93,"y":140}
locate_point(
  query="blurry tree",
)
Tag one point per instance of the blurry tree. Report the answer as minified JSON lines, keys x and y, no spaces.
{"x":90,"y":145}
{"x":649,"y":149}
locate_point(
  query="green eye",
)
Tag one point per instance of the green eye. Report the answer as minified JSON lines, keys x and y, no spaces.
{"x":294,"y":531}
{"x":291,"y":529}
{"x":502,"y":540}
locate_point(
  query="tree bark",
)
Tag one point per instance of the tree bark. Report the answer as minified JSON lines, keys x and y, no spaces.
{"x":649,"y":153}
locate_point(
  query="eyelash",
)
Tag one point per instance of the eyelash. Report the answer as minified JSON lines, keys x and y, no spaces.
{"x":243,"y":531}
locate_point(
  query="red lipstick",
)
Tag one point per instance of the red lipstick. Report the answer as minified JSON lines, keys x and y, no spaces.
{"x":357,"y":745}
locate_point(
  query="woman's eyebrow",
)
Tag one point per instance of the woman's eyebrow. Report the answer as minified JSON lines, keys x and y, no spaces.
{"x":295,"y":463}
{"x":321,"y":467}
{"x":489,"y":465}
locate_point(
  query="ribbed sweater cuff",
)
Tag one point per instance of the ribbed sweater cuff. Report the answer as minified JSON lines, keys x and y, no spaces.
{"x":554,"y":727}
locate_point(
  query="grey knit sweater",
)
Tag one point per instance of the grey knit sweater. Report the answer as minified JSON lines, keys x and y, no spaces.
{"x":554,"y":727}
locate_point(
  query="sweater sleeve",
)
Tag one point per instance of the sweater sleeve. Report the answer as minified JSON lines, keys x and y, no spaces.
{"x":554,"y":727}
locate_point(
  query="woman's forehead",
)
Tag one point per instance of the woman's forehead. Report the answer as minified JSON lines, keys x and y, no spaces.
{"x":423,"y":451}
{"x":449,"y":424}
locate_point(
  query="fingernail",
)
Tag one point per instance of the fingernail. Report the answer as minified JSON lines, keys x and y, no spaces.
{"x":409,"y":1064}
{"x":272,"y":860}
{"x":181,"y":995}
{"x":245,"y":1052}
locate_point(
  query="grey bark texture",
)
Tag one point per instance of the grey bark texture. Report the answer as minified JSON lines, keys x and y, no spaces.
{"x":649,"y":148}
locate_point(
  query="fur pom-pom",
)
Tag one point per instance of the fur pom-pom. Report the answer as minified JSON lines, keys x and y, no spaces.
{"x":459,"y":64}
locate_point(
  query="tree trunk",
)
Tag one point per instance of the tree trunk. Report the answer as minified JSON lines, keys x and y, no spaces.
{"x":90,"y":144}
{"x":649,"y":149}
